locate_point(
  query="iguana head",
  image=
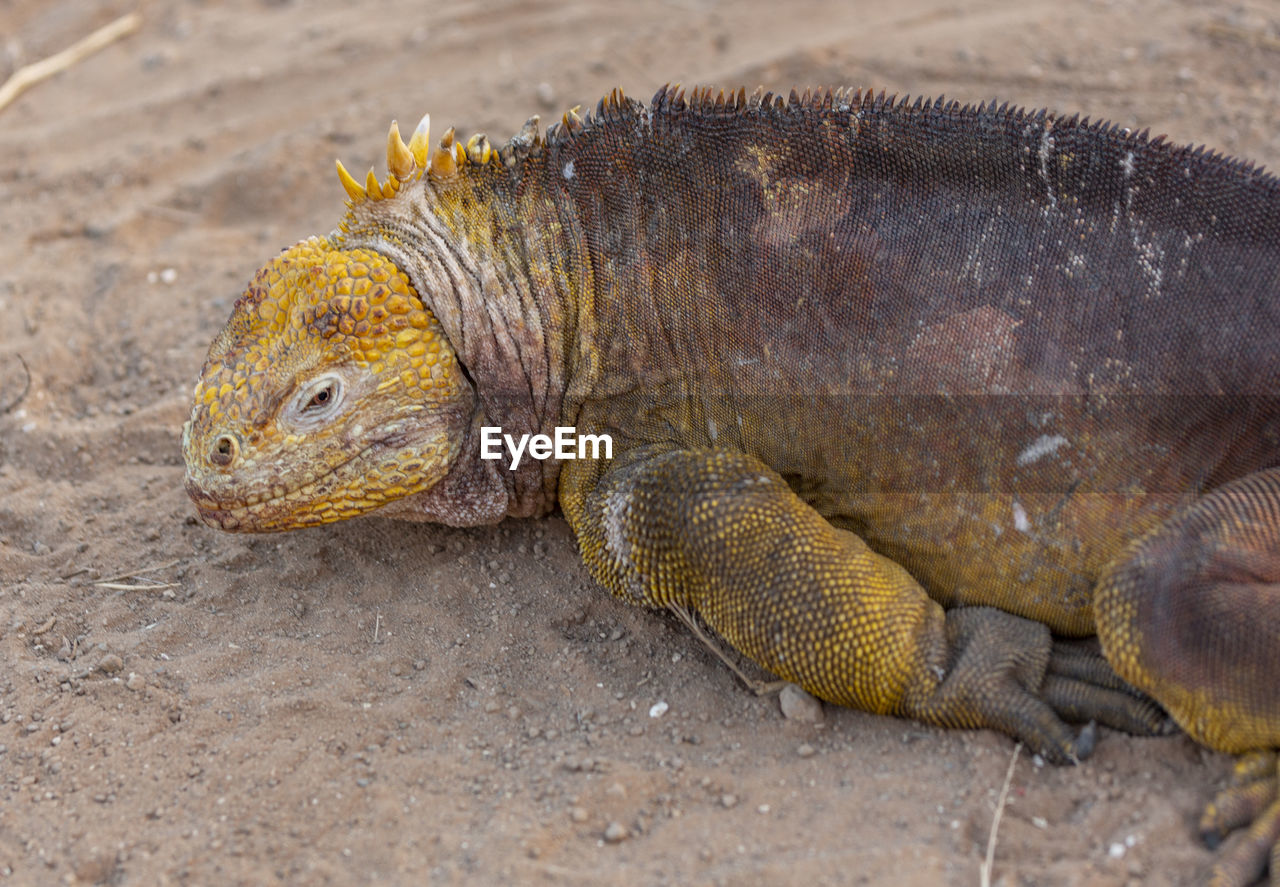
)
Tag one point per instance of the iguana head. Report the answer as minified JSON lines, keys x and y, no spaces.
{"x":331,"y":391}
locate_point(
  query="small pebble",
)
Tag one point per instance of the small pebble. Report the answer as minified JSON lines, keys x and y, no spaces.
{"x":728,"y":800}
{"x":658,"y":709}
{"x":135,"y":681}
{"x":110,"y":664}
{"x":615,"y":832}
{"x":96,"y":869}
{"x":806,"y":750}
{"x":797,"y":705}
{"x":578,"y":814}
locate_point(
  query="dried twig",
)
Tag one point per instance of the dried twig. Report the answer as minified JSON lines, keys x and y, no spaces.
{"x":26,"y":387}
{"x":29,"y":75}
{"x":760,"y":688}
{"x":134,"y":574}
{"x":124,"y":586}
{"x":1251,"y":37}
{"x":984,"y":870}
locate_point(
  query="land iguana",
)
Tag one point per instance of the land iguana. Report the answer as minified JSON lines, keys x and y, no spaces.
{"x":900,"y":394}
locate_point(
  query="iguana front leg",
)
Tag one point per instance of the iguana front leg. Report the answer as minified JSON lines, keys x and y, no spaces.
{"x":1191,"y":614}
{"x":722,"y":534}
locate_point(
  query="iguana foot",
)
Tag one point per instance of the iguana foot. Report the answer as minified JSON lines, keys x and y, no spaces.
{"x":995,"y":678}
{"x":1250,"y":800}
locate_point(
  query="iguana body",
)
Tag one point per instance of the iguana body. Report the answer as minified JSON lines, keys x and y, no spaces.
{"x":860,"y":360}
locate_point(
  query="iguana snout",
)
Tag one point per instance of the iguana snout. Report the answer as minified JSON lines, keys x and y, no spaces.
{"x":331,"y":391}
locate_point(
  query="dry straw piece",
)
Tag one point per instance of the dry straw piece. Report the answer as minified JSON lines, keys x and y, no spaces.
{"x":29,"y":75}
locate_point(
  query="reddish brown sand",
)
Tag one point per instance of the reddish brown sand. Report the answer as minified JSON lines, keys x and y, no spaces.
{"x":376,"y":702}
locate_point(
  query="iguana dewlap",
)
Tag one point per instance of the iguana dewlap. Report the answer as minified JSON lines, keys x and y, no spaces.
{"x":894,"y":391}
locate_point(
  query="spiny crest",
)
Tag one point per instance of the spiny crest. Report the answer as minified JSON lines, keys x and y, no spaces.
{"x":675,"y":99}
{"x":405,"y":162}
{"x":409,"y":162}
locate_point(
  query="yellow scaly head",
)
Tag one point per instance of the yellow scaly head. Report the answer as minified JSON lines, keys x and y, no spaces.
{"x":331,"y":391}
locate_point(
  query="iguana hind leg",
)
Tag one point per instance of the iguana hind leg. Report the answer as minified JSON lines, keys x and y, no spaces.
{"x":722,"y":534}
{"x":1191,"y":614}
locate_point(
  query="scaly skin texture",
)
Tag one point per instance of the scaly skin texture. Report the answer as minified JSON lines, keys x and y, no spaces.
{"x":895,"y":392}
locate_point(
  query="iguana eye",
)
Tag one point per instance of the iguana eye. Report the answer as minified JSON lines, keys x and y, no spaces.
{"x":319,"y":398}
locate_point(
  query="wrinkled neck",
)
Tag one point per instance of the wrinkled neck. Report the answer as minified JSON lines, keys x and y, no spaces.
{"x":496,"y":255}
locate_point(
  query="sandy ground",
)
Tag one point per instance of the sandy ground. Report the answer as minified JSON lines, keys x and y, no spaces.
{"x":385,"y":703}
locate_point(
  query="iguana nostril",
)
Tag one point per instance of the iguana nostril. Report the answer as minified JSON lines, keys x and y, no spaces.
{"x":224,"y":450}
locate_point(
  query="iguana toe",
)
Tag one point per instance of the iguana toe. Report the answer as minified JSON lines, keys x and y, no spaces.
{"x":1081,"y":686}
{"x":1249,"y":802}
{"x":1244,"y":862}
{"x":1252,"y":790}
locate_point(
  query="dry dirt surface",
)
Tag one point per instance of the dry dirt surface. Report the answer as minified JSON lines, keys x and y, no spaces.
{"x":377,"y":702}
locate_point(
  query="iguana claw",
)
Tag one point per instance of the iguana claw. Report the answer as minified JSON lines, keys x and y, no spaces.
{"x":1250,"y":800}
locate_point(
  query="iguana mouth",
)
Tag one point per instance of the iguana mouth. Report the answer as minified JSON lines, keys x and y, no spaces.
{"x":286,"y":505}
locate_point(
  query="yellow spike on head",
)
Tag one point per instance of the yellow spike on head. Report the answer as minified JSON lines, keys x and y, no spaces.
{"x":478,"y":148}
{"x":400,"y":162}
{"x":353,"y":188}
{"x":420,"y":142}
{"x":442,"y":164}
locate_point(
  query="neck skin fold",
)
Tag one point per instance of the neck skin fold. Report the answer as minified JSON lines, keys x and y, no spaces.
{"x":497,"y":257}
